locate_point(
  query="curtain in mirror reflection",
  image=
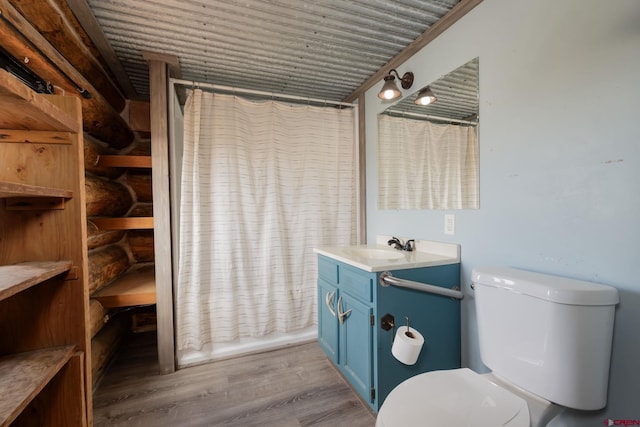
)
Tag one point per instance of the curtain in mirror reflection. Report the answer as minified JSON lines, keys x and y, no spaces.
{"x":443,"y":160}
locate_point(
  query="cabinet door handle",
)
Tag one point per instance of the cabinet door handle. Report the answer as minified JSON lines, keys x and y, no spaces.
{"x":342,"y":315}
{"x":328,"y":299}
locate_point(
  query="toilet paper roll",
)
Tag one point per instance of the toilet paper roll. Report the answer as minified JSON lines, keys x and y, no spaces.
{"x":407,"y":345}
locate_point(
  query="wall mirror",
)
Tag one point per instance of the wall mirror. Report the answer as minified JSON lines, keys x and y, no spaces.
{"x":428,"y":154}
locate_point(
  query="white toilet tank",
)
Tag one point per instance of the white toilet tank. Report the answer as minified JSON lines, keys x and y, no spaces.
{"x":548,"y":335}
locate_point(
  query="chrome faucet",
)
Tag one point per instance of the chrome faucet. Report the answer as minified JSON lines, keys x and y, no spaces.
{"x":409,"y":245}
{"x":397,"y":244}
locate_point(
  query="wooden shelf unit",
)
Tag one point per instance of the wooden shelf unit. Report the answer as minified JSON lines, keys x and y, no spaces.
{"x":44,"y":306}
{"x":136,"y":287}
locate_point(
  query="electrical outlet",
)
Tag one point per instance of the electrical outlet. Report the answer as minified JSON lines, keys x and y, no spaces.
{"x":450,"y":224}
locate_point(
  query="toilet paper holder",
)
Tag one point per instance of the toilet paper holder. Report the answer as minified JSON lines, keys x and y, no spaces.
{"x":407,"y":345}
{"x":408,"y":331}
{"x":388,"y":322}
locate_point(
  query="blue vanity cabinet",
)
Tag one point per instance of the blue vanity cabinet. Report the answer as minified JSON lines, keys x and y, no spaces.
{"x":345,"y":322}
{"x":327,"y":321}
{"x":351,"y":304}
{"x":356,"y":344}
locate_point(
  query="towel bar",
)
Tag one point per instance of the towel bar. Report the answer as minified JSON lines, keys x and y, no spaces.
{"x":387,"y":279}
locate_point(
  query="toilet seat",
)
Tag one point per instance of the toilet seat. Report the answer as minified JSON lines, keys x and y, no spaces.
{"x":457,"y":397}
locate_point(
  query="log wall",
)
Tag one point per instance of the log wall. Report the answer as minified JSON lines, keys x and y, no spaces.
{"x":141,"y":245}
{"x":99,"y":316}
{"x":105,"y":265}
{"x":105,"y":343}
{"x":114,"y":192}
{"x":107,"y":198}
{"x":97,"y":237}
{"x":93,"y":149}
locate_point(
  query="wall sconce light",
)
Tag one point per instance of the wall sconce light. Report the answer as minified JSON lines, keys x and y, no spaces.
{"x":389,"y":90}
{"x":425,"y":97}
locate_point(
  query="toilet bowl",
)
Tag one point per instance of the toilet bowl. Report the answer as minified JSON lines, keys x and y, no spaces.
{"x":461,"y":397}
{"x":530,"y":327}
{"x":458,"y":397}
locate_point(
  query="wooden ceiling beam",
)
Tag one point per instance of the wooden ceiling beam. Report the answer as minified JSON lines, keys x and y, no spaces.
{"x":57,"y":24}
{"x":25,"y":43}
{"x":87,"y":20}
{"x":457,"y":12}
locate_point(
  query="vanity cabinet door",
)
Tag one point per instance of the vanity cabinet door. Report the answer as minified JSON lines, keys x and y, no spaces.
{"x":327,"y":319}
{"x":356,"y":344}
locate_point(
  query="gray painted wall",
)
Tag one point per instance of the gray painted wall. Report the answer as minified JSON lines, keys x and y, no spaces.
{"x":559,"y":159}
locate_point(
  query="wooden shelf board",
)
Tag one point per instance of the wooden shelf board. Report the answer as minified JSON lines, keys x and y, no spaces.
{"x":22,"y":108}
{"x":136,"y":287}
{"x":129,"y":223}
{"x":24,"y":375}
{"x":18,"y":277}
{"x":35,"y":136}
{"x":125,"y":161}
{"x":12,"y":189}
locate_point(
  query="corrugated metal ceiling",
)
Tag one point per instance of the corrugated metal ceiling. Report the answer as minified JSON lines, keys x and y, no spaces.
{"x":323,"y":49}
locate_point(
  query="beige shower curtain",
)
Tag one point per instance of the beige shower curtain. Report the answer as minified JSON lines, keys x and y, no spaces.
{"x":263,"y":183}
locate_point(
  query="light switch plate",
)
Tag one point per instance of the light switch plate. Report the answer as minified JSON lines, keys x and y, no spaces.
{"x":449,"y":224}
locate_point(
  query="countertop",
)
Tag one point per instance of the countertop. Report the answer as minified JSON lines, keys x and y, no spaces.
{"x":427,"y":254}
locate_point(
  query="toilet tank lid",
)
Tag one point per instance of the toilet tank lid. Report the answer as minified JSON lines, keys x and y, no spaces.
{"x":551,"y":288}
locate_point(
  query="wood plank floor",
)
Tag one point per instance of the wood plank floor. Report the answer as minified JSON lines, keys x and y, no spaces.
{"x":292,"y":387}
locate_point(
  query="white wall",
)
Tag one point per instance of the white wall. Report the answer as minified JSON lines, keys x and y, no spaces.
{"x":559,"y":159}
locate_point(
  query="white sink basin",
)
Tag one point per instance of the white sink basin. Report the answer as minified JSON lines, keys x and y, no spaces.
{"x":375,"y":253}
{"x":381,"y":257}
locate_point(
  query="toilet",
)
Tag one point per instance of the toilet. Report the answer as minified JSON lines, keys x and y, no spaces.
{"x":547,"y":341}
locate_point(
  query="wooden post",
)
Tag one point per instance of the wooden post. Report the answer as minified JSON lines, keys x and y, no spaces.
{"x":159,"y":86}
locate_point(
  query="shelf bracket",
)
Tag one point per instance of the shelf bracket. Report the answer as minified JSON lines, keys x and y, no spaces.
{"x":72,"y":274}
